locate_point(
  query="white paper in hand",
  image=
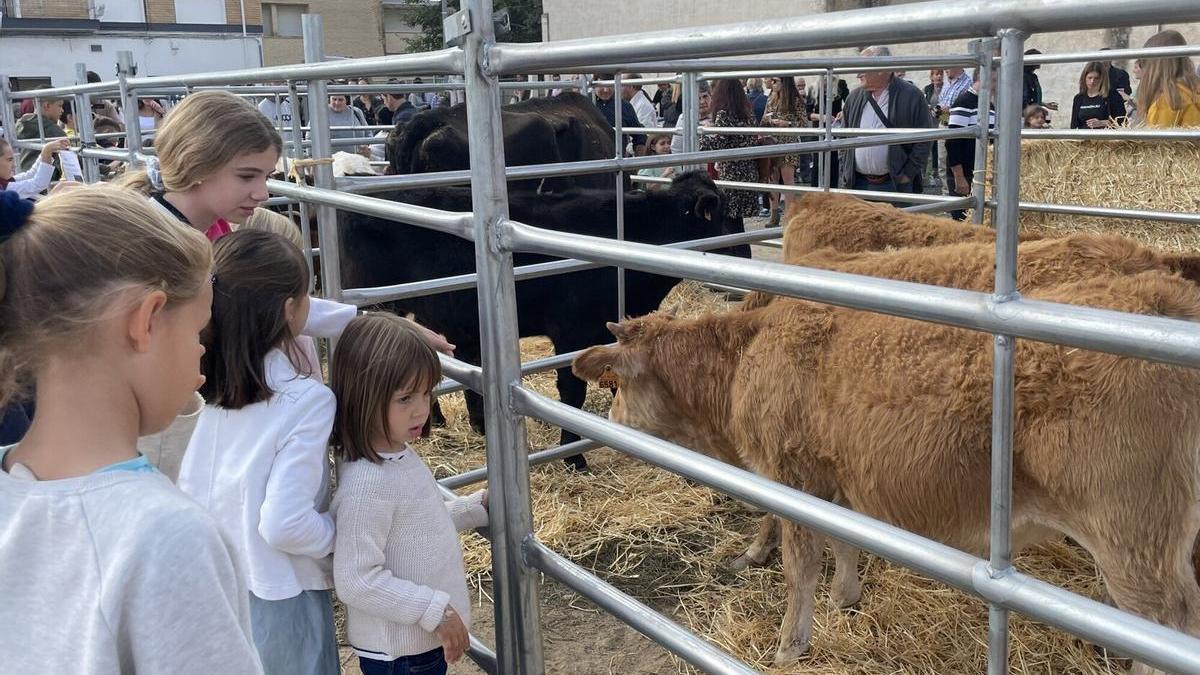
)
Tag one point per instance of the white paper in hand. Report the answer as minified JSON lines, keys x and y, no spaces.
{"x":70,"y":165}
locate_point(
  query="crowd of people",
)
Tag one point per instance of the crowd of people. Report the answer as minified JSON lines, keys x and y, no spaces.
{"x":165,"y":445}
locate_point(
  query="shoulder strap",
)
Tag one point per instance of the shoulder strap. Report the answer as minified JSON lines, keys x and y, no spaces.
{"x":878,"y":111}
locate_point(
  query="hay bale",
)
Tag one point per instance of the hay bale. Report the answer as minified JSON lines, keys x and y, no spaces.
{"x":1152,"y":175}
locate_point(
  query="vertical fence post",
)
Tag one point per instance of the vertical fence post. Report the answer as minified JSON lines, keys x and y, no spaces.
{"x":690,"y":93}
{"x":984,"y":50}
{"x":1008,"y":165}
{"x":515,"y":583}
{"x":617,"y":100}
{"x":6,"y":110}
{"x":827,"y":121}
{"x":129,"y":109}
{"x":297,"y":136}
{"x":83,"y":127}
{"x":318,"y":132}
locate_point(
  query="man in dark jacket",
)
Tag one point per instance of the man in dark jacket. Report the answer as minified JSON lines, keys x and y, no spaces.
{"x":606,"y":102}
{"x":885,"y":100}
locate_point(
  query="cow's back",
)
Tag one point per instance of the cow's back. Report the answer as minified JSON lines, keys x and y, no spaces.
{"x":896,"y":412}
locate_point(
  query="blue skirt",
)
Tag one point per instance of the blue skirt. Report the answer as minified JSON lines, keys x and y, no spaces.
{"x":296,"y":636}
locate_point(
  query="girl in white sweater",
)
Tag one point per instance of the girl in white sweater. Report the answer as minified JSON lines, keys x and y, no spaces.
{"x":398,"y":565}
{"x":258,"y":458}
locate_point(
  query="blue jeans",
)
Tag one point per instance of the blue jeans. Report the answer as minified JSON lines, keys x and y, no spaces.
{"x":296,"y":636}
{"x":432,"y":662}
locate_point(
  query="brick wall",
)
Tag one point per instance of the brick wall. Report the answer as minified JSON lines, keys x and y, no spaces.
{"x":160,"y":11}
{"x":233,"y":10}
{"x":54,"y":9}
{"x":352,"y":28}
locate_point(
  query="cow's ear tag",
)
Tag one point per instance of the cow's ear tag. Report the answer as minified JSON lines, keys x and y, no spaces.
{"x":607,"y":379}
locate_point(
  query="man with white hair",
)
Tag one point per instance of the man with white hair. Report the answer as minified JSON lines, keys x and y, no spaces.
{"x":884,"y":100}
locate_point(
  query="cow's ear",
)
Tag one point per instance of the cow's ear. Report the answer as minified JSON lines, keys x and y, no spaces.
{"x":599,"y":363}
{"x":619,"y":330}
{"x":707,"y":206}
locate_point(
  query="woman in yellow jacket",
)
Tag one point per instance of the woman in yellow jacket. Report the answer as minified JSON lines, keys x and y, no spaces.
{"x":1169,"y":92}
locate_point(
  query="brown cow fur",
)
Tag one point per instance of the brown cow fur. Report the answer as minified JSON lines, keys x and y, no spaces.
{"x":893,"y":417}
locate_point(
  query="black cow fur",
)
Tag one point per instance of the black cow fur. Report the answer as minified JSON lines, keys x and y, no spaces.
{"x":571,"y":309}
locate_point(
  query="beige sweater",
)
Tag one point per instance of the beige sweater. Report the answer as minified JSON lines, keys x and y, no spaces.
{"x":397,"y":561}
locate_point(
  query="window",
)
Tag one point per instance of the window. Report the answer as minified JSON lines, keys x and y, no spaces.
{"x":200,"y":11}
{"x":282,"y":20}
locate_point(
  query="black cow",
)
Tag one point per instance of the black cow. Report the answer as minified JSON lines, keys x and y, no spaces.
{"x":563,"y":128}
{"x":570,"y":309}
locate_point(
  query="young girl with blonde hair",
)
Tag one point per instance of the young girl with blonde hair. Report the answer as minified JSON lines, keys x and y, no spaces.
{"x":1168,"y":94}
{"x":397,"y":562}
{"x":107,"y":567}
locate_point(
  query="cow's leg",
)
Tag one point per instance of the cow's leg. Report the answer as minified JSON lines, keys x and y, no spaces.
{"x":801,"y":569}
{"x":765,"y":541}
{"x":1150,"y":575}
{"x":572,"y":391}
{"x":846,"y":588}
{"x":475,"y":411}
{"x":736,"y":225}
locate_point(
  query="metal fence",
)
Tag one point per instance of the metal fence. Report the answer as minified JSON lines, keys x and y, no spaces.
{"x":517,"y":555}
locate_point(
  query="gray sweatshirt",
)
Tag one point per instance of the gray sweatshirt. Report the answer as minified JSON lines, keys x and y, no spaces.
{"x":116,"y":572}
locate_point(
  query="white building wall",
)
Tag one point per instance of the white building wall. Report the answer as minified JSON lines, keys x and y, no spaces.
{"x":569,"y":19}
{"x":159,"y":55}
{"x":125,"y":11}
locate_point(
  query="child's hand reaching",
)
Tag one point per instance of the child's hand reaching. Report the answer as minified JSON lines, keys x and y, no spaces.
{"x":52,"y":147}
{"x":453,"y":635}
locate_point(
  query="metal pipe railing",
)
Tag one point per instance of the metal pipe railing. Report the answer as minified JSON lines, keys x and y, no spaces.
{"x":416,"y":289}
{"x":1126,"y":633}
{"x":1145,"y":337}
{"x":943,"y":20}
{"x":802,"y":65}
{"x":365,"y":185}
{"x":457,"y":224}
{"x":680,"y":641}
{"x":535,"y":459}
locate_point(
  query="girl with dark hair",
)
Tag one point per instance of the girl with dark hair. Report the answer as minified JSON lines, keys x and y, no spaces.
{"x":731,"y":108}
{"x":258,"y":458}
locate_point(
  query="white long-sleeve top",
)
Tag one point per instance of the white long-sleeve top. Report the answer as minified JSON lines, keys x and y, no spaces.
{"x":398,"y":562}
{"x":263,"y":473}
{"x":32,"y":182}
{"x":116,"y":572}
{"x":326,"y":318}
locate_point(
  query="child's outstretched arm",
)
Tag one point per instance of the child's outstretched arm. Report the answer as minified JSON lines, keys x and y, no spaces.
{"x":288,"y":519}
{"x":360,"y":575}
{"x":469,"y":512}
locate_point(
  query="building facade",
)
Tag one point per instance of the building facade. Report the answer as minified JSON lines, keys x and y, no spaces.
{"x":42,"y":40}
{"x":568,"y":19}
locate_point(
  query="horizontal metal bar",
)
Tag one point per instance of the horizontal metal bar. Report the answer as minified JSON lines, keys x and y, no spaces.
{"x":415,"y":289}
{"x":870,"y":195}
{"x":726,"y":68}
{"x":482,"y":655}
{"x":952,"y":204}
{"x":1147,"y":337}
{"x":943,"y":20}
{"x":458,"y":224}
{"x":1114,"y":134}
{"x":635,"y":81}
{"x":1111,"y":55}
{"x":675,"y":638}
{"x":366,"y":185}
{"x":558,"y":452}
{"x":442,"y":62}
{"x":459,"y":374}
{"x":845,"y":132}
{"x":62,"y":92}
{"x":1128,"y":634}
{"x":1107,"y":212}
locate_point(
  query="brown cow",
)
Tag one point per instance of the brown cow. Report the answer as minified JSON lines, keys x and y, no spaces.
{"x":892,"y":416}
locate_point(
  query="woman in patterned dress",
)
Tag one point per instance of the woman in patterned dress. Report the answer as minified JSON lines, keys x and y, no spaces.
{"x":785,"y":108}
{"x":731,"y":108}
